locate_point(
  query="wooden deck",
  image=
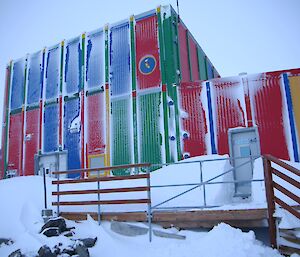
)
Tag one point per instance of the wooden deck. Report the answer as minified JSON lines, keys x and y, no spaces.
{"x":243,"y":218}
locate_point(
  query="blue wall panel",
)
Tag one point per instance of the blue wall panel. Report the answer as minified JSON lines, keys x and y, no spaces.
{"x":73,"y":66}
{"x":50,"y":134}
{"x":120,"y":60}
{"x":72,"y":133}
{"x":35,"y":78}
{"x":95,"y":60}
{"x":17,"y":85}
{"x":210,"y":70}
{"x":211,"y":122}
{"x":53,"y":72}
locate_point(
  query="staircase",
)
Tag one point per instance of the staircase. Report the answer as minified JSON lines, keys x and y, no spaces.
{"x":284,"y":218}
{"x":289,"y":241}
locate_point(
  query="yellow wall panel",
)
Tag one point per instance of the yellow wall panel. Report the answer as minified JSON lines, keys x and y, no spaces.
{"x":295,"y":91}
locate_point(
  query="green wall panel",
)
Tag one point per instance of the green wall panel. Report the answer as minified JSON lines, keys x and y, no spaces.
{"x":121,"y":134}
{"x":149,"y":128}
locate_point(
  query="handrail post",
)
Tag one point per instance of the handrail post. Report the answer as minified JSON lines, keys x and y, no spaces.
{"x":98,"y":187}
{"x":149,"y":214}
{"x":270,"y":200}
{"x":201,"y":181}
{"x":57,"y":195}
{"x":45,"y":188}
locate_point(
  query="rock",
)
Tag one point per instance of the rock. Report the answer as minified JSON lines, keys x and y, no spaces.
{"x":45,"y":251}
{"x":6,"y":241}
{"x":82,"y":250}
{"x":88,"y":242}
{"x":68,"y":233}
{"x":59,"y":223}
{"x":50,"y":232}
{"x":16,"y":253}
{"x":56,"y":250}
{"x":69,"y":250}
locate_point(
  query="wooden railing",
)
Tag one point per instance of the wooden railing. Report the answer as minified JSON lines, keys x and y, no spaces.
{"x":100,"y":191}
{"x":272,"y":199}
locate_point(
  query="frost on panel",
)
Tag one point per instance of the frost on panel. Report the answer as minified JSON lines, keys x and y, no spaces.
{"x":50,"y":132}
{"x":121,"y":134}
{"x":17,"y":85}
{"x":230,"y":110}
{"x":35,"y":74}
{"x":193,"y":120}
{"x":267,"y":100}
{"x":120,"y":60}
{"x":96,"y":123}
{"x":73,"y":66}
{"x":72,"y":128}
{"x":53,"y":72}
{"x":95,"y":60}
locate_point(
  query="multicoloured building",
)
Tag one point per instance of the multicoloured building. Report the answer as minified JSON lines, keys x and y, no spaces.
{"x":141,"y":90}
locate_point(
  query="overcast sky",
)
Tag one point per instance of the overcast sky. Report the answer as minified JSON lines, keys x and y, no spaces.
{"x":237,"y":35}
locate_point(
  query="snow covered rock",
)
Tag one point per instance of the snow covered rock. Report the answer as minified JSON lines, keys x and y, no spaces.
{"x":16,"y":253}
{"x":58,"y":223}
{"x":88,"y":242}
{"x":6,"y":241}
{"x":82,"y":250}
{"x":45,"y":251}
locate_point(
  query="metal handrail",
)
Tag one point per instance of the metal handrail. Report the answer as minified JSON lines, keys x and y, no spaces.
{"x":207,"y":182}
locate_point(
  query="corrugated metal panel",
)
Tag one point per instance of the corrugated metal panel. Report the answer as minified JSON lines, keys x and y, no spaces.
{"x":209,"y":69}
{"x":15,"y":143}
{"x":147,"y":54}
{"x":229,"y":111}
{"x":17,"y":84}
{"x":150,"y":138}
{"x":183,"y":51}
{"x":35,"y":77}
{"x":5,"y":120}
{"x":194,"y":59}
{"x":202,"y":64}
{"x":269,"y":116}
{"x":120,"y":60}
{"x":73,"y":66}
{"x":295,"y":91}
{"x":52,"y":72}
{"x":95,"y":60}
{"x":96,"y":123}
{"x":193,"y":119}
{"x":72,"y":133}
{"x":50,"y":130}
{"x":121,"y":134}
{"x":31,"y":139}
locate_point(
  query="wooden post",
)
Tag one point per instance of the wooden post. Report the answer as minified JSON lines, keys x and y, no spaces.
{"x":270,"y":200}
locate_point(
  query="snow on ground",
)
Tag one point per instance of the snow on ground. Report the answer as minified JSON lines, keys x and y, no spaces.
{"x":22,"y":199}
{"x":20,"y":220}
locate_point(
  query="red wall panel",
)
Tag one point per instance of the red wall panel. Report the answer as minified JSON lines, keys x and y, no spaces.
{"x":31,"y":140}
{"x":15,"y":143}
{"x":269,"y":117}
{"x":194,"y":59}
{"x":194,"y":122}
{"x":147,"y":53}
{"x":183,"y":53}
{"x":229,"y":113}
{"x":95,"y":121}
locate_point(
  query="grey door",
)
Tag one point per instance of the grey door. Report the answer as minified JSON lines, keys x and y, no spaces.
{"x":244,"y":146}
